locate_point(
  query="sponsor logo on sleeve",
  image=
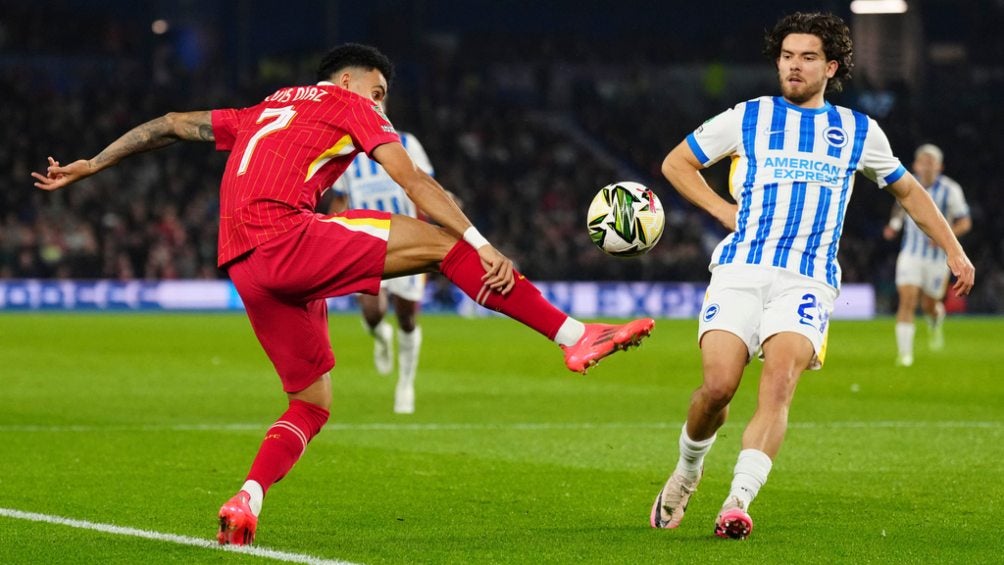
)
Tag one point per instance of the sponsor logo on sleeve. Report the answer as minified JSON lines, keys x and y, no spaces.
{"x":380,"y":112}
{"x":388,"y":127}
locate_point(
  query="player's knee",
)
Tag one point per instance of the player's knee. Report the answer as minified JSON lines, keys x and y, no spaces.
{"x":721,"y":379}
{"x":444,"y":242}
{"x":317,"y":394}
{"x":311,"y":417}
{"x":414,"y":245}
{"x":434,"y":248}
{"x":320,"y":414}
{"x":318,"y":403}
{"x":407,"y":321}
{"x":717,"y":394}
{"x":775,"y":399}
{"x":372,"y":317}
{"x":777,"y":387}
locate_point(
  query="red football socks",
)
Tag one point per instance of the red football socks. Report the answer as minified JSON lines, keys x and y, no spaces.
{"x":286,"y":441}
{"x":524,"y":303}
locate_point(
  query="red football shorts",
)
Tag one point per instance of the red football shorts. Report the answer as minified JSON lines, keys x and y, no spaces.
{"x":284,"y":282}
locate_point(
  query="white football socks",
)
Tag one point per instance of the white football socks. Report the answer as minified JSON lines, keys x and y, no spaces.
{"x":408,"y":345}
{"x":904,"y":338}
{"x":407,"y":365}
{"x":939,"y":315}
{"x":382,"y":331}
{"x":751,"y":472}
{"x":692,"y":454}
{"x":935,"y":335}
{"x":934,"y":322}
{"x":570,"y":332}
{"x":383,"y":346}
{"x":256,"y":494}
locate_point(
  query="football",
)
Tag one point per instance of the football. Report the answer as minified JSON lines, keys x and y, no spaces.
{"x":625,"y":219}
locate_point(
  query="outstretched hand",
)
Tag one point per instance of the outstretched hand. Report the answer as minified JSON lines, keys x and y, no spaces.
{"x":57,"y":177}
{"x":965,"y":272}
{"x":498,"y":270}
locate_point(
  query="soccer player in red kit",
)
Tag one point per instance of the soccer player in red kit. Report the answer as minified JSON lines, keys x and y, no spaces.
{"x":285,"y":259}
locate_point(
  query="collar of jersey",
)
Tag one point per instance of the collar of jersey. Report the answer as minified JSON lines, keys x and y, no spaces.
{"x":327,"y":83}
{"x":821,"y":110}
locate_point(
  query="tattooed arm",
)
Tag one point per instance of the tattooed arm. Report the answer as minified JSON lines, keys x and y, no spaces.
{"x":165,"y":130}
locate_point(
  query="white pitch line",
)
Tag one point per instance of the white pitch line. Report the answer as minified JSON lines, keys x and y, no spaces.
{"x":172,"y":538}
{"x":489,"y":426}
{"x":894,"y":424}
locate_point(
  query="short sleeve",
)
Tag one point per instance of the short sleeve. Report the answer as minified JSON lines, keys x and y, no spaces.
{"x":957,"y":205}
{"x":225,"y":122}
{"x":369,"y":126}
{"x":717,"y":137}
{"x":877,"y":161}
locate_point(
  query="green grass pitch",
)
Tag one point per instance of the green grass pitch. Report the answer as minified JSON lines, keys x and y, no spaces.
{"x":150,"y":421}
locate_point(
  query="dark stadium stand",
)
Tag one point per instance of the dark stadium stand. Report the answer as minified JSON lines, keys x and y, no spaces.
{"x":523,"y":128}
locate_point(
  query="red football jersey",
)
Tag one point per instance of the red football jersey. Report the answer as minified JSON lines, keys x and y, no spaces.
{"x":284,"y":153}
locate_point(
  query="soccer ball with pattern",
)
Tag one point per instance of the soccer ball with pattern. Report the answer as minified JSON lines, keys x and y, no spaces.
{"x":625,"y":219}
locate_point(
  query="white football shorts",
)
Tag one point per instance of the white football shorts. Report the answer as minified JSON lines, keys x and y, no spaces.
{"x":410,"y":287}
{"x":755,"y":302}
{"x":930,"y":275}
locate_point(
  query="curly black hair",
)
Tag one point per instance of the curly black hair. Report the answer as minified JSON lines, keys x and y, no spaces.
{"x":354,"y":55}
{"x":833,"y":32}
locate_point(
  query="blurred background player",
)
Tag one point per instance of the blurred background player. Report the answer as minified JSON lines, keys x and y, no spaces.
{"x":922,"y":273}
{"x":367,"y":186}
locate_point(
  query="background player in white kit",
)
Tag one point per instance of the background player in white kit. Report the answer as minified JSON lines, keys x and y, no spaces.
{"x":921,"y":271}
{"x":775,"y":277}
{"x":365,"y":185}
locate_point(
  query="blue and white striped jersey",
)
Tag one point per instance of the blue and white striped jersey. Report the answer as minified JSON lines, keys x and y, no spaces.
{"x":369,"y":187}
{"x":792,"y":175}
{"x":948,"y":197}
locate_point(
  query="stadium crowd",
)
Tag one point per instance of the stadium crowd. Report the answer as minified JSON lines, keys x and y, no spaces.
{"x":523,"y":134}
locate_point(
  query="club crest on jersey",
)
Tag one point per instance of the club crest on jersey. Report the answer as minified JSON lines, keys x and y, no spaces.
{"x":710,"y":312}
{"x":835,"y":136}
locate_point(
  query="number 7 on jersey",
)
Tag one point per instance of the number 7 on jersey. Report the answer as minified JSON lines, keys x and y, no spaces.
{"x":281,"y":117}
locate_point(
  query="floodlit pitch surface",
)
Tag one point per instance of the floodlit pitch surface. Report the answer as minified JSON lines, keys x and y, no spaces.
{"x":123,"y":434}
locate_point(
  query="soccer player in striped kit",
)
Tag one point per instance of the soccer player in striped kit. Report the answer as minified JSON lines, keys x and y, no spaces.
{"x":774,"y":278}
{"x":921,"y":271}
{"x":367,"y":186}
{"x":284,"y":258}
